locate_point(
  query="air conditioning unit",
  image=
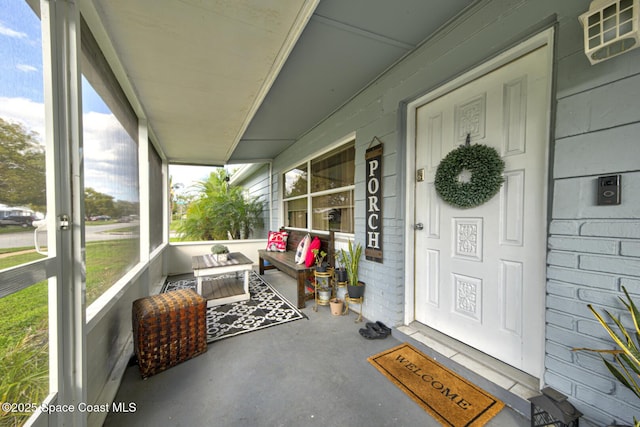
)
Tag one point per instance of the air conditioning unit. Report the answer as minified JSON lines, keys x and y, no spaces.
{"x":610,"y":28}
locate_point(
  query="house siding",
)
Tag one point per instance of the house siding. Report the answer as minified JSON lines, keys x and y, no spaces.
{"x":256,"y":184}
{"x":592,"y":250}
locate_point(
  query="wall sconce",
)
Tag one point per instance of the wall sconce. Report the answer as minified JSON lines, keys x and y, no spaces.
{"x":610,"y":28}
{"x":551,"y":408}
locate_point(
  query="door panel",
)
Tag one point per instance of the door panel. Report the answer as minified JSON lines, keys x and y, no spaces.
{"x":480,"y":272}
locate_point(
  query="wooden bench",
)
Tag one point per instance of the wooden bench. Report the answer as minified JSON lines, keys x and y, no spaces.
{"x":284,"y":261}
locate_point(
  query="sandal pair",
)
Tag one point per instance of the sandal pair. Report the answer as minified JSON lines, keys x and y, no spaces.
{"x":376,"y":330}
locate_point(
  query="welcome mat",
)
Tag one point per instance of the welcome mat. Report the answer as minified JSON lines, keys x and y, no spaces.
{"x":265,"y":308}
{"x":445,"y":395}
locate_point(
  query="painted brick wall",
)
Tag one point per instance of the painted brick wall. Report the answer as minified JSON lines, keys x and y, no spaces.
{"x":588,"y":264}
{"x":593,"y":250}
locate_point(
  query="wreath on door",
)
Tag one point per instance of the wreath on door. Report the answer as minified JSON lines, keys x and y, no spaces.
{"x":470,"y":175}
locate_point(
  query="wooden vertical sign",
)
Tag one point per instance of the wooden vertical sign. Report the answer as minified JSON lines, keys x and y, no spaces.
{"x":373,"y":160}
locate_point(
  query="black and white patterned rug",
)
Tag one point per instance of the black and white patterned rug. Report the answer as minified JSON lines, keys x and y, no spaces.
{"x":264,"y":309}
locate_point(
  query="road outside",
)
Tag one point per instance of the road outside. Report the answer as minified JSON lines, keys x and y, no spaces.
{"x":93,"y":233}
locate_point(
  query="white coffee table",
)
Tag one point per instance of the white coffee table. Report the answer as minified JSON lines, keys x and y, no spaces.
{"x":207,"y":266}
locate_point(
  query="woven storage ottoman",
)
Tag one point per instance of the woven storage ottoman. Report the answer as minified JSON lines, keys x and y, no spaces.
{"x":168,"y":329}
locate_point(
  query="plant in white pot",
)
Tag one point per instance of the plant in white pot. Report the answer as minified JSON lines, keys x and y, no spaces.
{"x":220,"y":252}
{"x":350,"y":259}
{"x":322,"y":277}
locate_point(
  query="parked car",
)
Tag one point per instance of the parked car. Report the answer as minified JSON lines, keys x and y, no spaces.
{"x":23,"y":221}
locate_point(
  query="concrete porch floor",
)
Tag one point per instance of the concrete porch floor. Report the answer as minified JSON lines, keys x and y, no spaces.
{"x":308,"y":372}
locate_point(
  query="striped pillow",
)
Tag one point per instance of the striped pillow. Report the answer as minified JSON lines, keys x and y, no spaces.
{"x":303,"y":248}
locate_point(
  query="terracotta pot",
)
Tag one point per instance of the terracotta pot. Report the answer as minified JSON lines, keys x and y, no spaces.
{"x":336,"y":306}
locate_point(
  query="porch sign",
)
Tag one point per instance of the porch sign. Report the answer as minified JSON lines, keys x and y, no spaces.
{"x":373,"y":160}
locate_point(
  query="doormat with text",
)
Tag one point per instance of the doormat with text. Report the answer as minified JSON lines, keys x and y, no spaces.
{"x":447,"y":396}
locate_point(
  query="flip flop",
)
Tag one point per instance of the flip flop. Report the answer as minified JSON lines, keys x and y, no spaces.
{"x":371,"y":334}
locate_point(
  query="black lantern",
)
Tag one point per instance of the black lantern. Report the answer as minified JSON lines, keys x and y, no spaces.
{"x":552,"y":408}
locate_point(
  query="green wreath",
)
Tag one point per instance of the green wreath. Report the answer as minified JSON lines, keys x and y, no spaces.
{"x":484,"y":164}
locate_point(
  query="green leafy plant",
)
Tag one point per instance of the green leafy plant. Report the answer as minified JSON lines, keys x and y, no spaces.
{"x":350,"y":260}
{"x":626,"y":359}
{"x":220,"y":212}
{"x":319,"y":255}
{"x":218,"y":249}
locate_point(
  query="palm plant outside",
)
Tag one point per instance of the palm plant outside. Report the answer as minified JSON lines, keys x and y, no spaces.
{"x":221,"y":212}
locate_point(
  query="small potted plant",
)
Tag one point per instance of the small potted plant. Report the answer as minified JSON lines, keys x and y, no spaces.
{"x":220,"y":252}
{"x":336,"y":306}
{"x":341,"y":278}
{"x":319,"y":254}
{"x":341,"y":272}
{"x":350,"y":259}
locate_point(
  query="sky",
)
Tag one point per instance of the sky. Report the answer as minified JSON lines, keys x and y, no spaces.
{"x":108,"y":154}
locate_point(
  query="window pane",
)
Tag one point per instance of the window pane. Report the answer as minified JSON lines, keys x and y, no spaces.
{"x":24,"y":336}
{"x":295,"y":182}
{"x":24,"y":349}
{"x":111,"y":197}
{"x":333,"y":212}
{"x":296,"y":213}
{"x":156,"y":208}
{"x":333,"y":170}
{"x":22,"y":150}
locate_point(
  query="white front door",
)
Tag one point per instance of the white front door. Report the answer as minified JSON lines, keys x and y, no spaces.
{"x":480,"y":272}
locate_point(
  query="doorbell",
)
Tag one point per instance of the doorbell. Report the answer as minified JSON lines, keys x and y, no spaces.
{"x":609,"y":190}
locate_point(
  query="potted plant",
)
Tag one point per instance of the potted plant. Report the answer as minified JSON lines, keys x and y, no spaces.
{"x":319,"y":254}
{"x":220,"y":252}
{"x":350,"y":259}
{"x":341,"y":272}
{"x":336,"y":306}
{"x":626,"y":359}
{"x":322,"y":278}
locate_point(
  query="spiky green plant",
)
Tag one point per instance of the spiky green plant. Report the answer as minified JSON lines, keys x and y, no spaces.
{"x":626,"y":359}
{"x":350,"y":260}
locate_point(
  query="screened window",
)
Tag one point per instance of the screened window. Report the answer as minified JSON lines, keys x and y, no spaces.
{"x":24,"y":310}
{"x":323,"y":199}
{"x":111,"y":199}
{"x":156,"y":207}
{"x":111,"y":180}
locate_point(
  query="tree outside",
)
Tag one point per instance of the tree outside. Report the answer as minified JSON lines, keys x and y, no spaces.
{"x":220,"y":212}
{"x":22,"y":167}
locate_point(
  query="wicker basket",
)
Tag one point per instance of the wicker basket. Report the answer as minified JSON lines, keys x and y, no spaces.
{"x":168,"y":329}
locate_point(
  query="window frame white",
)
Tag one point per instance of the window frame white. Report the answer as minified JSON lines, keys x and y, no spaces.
{"x":350,"y":138}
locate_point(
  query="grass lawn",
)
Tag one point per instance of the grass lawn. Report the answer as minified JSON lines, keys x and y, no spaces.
{"x":106,"y":262}
{"x":24,"y":319}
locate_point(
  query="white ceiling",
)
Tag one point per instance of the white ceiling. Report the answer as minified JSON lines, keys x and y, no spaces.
{"x":224,"y":80}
